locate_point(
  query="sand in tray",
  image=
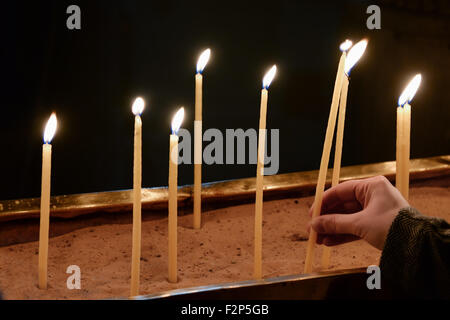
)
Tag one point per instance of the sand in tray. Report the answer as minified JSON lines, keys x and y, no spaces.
{"x":222,"y":251}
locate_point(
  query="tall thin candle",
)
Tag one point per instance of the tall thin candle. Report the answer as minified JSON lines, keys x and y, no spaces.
{"x":173,"y":195}
{"x":198,"y":133}
{"x":345,"y":46}
{"x":260,"y":173}
{"x":399,"y":149}
{"x":49,"y":132}
{"x":345,"y":65}
{"x":138,"y":108}
{"x":404,"y":135}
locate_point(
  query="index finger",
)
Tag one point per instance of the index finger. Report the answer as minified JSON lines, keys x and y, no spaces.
{"x":343,"y":198}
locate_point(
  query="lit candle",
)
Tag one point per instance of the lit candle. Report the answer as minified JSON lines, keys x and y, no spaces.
{"x":345,"y":46}
{"x":138,"y":108}
{"x":49,"y":132}
{"x":345,"y":65}
{"x":173,"y":194}
{"x":198,"y":124}
{"x":398,"y":151}
{"x":353,"y":57}
{"x":260,"y":173}
{"x":404,"y":135}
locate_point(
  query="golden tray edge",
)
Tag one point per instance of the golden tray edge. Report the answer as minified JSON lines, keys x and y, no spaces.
{"x":223,"y":193}
{"x":335,"y":284}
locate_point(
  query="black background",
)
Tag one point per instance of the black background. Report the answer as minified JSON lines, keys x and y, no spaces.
{"x":148,"y":48}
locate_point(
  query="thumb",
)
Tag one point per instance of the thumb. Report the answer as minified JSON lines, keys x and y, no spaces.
{"x":336,"y":224}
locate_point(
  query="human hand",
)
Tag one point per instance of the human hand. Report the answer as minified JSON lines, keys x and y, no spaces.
{"x":358,"y":209}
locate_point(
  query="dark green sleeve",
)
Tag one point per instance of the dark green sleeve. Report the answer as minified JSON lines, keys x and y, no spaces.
{"x":415,"y":261}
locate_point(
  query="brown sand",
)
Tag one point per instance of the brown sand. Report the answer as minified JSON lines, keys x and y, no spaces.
{"x":221,"y":252}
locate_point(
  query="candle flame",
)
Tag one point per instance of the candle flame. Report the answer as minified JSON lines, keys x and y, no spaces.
{"x":354,"y":55}
{"x":138,"y":106}
{"x":203,"y":60}
{"x":50,"y":128}
{"x":347,"y":44}
{"x":410,"y":90}
{"x":269,"y":77}
{"x":177,"y":120}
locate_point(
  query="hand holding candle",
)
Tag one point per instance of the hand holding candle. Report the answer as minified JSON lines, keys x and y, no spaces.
{"x":260,"y":172}
{"x":404,"y":135}
{"x":198,"y":124}
{"x":49,"y":132}
{"x":138,"y":108}
{"x":350,"y":61}
{"x":173,"y":194}
{"x":345,"y":65}
{"x":344,"y":47}
{"x":324,"y":161}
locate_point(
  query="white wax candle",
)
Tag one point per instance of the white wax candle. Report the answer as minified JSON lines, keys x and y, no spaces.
{"x":326,"y":255}
{"x":173,"y":196}
{"x":138,"y":108}
{"x":198,"y":124}
{"x":45,"y":200}
{"x":257,"y":272}
{"x":346,"y":63}
{"x":404,"y":135}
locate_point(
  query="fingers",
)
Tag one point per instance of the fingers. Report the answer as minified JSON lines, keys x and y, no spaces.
{"x":337,"y":224}
{"x":346,"y":197}
{"x":348,"y":211}
{"x":337,"y":239}
{"x":340,"y":207}
{"x":343,"y":198}
{"x":335,"y":229}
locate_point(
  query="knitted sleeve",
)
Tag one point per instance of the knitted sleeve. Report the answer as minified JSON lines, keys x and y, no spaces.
{"x":416,"y":257}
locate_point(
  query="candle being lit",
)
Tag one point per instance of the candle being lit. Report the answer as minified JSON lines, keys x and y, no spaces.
{"x":346,"y":63}
{"x":353,"y":57}
{"x":198,"y":133}
{"x":49,"y":132}
{"x":137,"y":109}
{"x":404,"y":135}
{"x":355,"y":53}
{"x":260,"y":172}
{"x":173,"y":194}
{"x":344,"y":47}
